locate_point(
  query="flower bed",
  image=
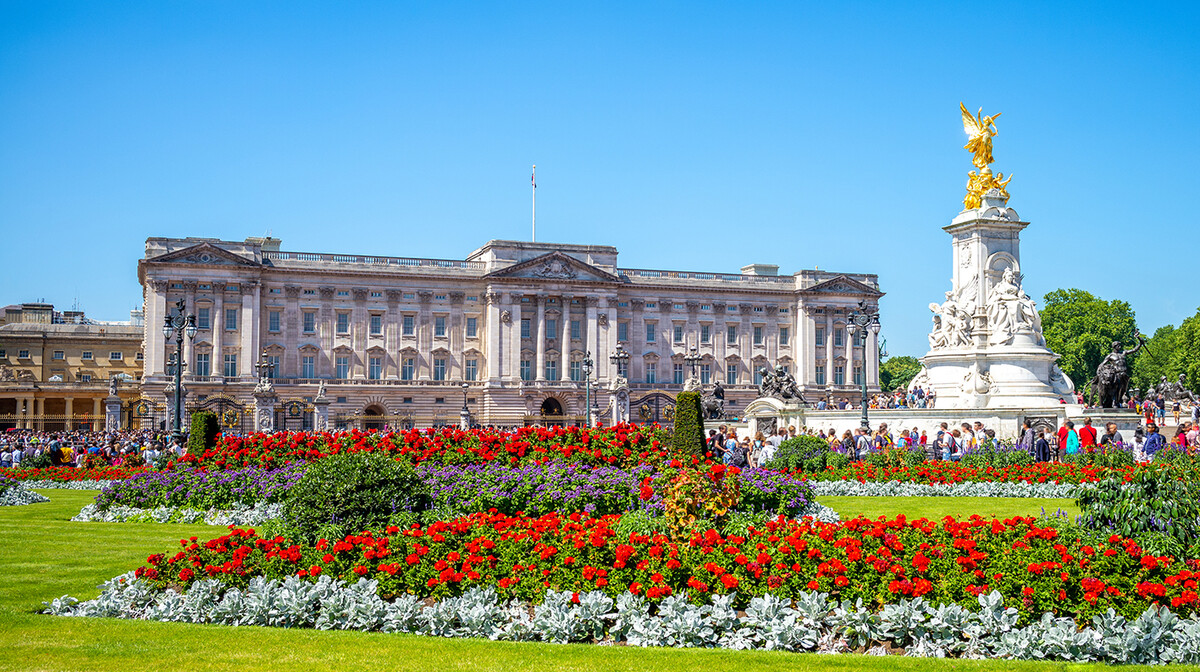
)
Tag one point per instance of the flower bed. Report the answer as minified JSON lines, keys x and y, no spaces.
{"x":200,"y":489}
{"x":623,"y":444}
{"x":945,"y":472}
{"x":14,"y":493}
{"x":970,"y":489}
{"x":72,"y":474}
{"x":1033,"y":568}
{"x":239,"y":514}
{"x":809,"y":622}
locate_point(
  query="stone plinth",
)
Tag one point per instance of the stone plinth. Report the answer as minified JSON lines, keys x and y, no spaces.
{"x":112,"y":414}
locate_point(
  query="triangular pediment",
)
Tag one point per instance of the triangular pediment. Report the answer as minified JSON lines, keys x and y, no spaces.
{"x":206,"y":254}
{"x":843,"y":285}
{"x":555,"y":266}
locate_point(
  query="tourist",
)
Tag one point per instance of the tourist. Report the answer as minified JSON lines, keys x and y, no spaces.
{"x":1154,"y":441}
{"x":965,"y":439}
{"x":1180,"y":441}
{"x":754,"y":457}
{"x":1193,"y":437}
{"x":1028,"y":437}
{"x":731,"y":447}
{"x":847,"y":446}
{"x":1160,"y":408}
{"x":1041,"y":448}
{"x":1176,"y":408}
{"x":924,"y":440}
{"x":1148,"y":411}
{"x":741,"y":458}
{"x":1072,"y":439}
{"x":1111,"y":435}
{"x":1139,"y":445}
{"x":953,"y":450}
{"x":1087,"y":434}
{"x":1062,"y":439}
{"x":883,"y":440}
{"x":862,"y":444}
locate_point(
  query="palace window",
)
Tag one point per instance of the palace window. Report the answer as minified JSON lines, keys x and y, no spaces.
{"x":819,"y":374}
{"x":308,"y":366}
{"x":552,"y":370}
{"x":651,"y":372}
{"x":343,"y":292}
{"x":231,"y":369}
{"x":472,"y":327}
{"x":758,"y":335}
{"x":376,"y":295}
{"x":576,"y":330}
{"x":838,"y":337}
{"x":651,"y":328}
{"x":623,"y":331}
{"x":576,"y":371}
{"x":706,"y":373}
{"x":343,"y":323}
{"x":139,"y":357}
{"x":858,"y":374}
{"x":623,"y":368}
{"x":408,"y":367}
{"x":273,"y":371}
{"x":58,"y":355}
{"x":22,"y":354}
{"x":342,"y":367}
{"x":471,"y":370}
{"x":705,"y":333}
{"x":651,"y":304}
{"x":410,"y":295}
{"x":273,"y":320}
{"x":526,"y":370}
{"x":551,"y":328}
{"x":439,"y":368}
{"x":677,"y":373}
{"x":757,"y":376}
{"x":439,"y":297}
{"x":203,"y":318}
{"x":203,"y":364}
{"x":677,"y":333}
{"x":376,"y":324}
{"x":310,"y":322}
{"x":526,"y":326}
{"x":439,"y":326}
{"x":731,"y":335}
{"x":839,"y":375}
{"x":375,"y":368}
{"x":819,"y":339}
{"x":731,"y":374}
{"x":408,"y":325}
{"x":86,"y":356}
{"x":231,"y":315}
{"x":85,"y":377}
{"x":783,"y":335}
{"x":310,"y":292}
{"x":114,"y":356}
{"x":275,"y":290}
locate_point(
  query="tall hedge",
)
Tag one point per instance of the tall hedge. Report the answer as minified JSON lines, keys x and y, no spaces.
{"x":688,"y":438}
{"x":205,"y":430}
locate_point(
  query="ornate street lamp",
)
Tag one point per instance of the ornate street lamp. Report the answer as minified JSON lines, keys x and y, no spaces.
{"x":464,"y":416}
{"x":692,"y":358}
{"x":619,"y":358}
{"x":177,"y":325}
{"x":264,"y":367}
{"x":863,"y":319}
{"x":587,"y":387}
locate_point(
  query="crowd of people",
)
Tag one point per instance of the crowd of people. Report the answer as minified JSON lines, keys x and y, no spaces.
{"x":25,"y":448}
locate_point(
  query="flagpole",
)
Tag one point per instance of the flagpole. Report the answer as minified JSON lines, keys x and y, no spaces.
{"x":533,"y":181}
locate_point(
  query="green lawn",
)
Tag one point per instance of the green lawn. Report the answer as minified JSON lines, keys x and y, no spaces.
{"x":934,"y":508}
{"x":43,"y":555}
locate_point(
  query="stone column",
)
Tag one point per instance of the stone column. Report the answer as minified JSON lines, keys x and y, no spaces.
{"x":610,"y":328}
{"x":494,"y":337}
{"x":291,"y":336}
{"x":514,"y":330}
{"x":188,"y":354}
{"x":217,"y":365}
{"x":359,"y":326}
{"x":850,"y":359}
{"x":391,"y":334}
{"x":720,"y":333}
{"x":112,"y":413}
{"x":40,"y":405}
{"x":248,"y":324}
{"x":637,"y":339}
{"x":325,"y":329}
{"x":564,"y":343}
{"x":156,"y":310}
{"x":69,"y":412}
{"x":456,"y":338}
{"x":828,"y":347}
{"x":593,"y":331}
{"x":321,"y":413}
{"x":540,"y":338}
{"x":96,"y":409}
{"x":425,"y":335}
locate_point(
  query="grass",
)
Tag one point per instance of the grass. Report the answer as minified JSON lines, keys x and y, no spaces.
{"x":43,"y":555}
{"x":934,"y":508}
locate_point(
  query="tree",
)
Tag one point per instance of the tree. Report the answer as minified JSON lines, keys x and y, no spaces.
{"x":1154,"y":361}
{"x":1081,"y":328}
{"x":688,"y":438}
{"x":1185,"y":358}
{"x":205,"y":431}
{"x":897,"y":372}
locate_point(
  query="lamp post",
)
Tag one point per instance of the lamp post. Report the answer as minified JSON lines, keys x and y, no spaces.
{"x":692,"y":358}
{"x":587,"y":387}
{"x":176,"y":325}
{"x":863,"y":319}
{"x":264,"y":367}
{"x":464,"y":416}
{"x":619,"y":357}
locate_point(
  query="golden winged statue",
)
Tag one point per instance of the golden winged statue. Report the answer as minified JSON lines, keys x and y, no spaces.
{"x":980,"y":129}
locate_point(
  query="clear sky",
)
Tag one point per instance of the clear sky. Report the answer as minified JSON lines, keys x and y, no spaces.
{"x":691,"y":135}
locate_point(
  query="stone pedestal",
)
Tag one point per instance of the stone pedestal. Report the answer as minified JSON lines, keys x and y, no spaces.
{"x":264,"y":411}
{"x":112,"y":414}
{"x":620,"y":400}
{"x":464,"y":419}
{"x":321,"y":414}
{"x":986,"y":348}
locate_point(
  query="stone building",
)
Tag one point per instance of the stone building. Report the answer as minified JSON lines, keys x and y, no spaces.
{"x":395,"y":339}
{"x":55,"y":366}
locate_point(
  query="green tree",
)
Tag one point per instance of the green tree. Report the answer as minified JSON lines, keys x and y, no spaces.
{"x":1154,"y":361}
{"x":688,"y":438}
{"x":1081,"y":328}
{"x":1185,"y":357}
{"x":897,"y":372}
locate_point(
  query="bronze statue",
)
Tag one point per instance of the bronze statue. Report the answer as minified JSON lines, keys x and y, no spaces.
{"x":1112,"y":376}
{"x":713,"y":404}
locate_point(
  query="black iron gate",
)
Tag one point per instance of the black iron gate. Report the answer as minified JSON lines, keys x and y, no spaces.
{"x":294,"y":415}
{"x":145,"y":413}
{"x":231,"y":416}
{"x":654,"y":407}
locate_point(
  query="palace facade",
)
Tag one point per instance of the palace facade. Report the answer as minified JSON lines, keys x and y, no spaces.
{"x":395,"y":339}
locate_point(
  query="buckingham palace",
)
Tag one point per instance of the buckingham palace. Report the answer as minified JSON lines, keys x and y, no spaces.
{"x":398,"y":341}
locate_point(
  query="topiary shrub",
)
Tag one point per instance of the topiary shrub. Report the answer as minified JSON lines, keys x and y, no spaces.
{"x":205,"y":430}
{"x":803,"y":453}
{"x":688,"y":438}
{"x":351,"y":492}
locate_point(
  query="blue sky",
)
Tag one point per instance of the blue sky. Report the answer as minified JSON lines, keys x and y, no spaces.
{"x":695,"y":136}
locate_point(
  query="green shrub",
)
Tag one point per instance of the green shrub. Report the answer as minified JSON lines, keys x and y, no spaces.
{"x":1157,"y":504}
{"x":1105,"y":456}
{"x":205,"y":430}
{"x":688,"y":438}
{"x":37,"y":461}
{"x":351,"y":492}
{"x":804,"y":453}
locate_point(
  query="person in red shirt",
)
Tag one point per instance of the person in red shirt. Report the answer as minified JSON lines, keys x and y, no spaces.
{"x":1087,"y":434}
{"x":1062,"y":439}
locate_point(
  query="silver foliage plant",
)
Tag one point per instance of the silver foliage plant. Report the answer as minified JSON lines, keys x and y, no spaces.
{"x":981,"y":489}
{"x":812,"y":622}
{"x":67,"y":485}
{"x":241,"y":514}
{"x":20,"y":496}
